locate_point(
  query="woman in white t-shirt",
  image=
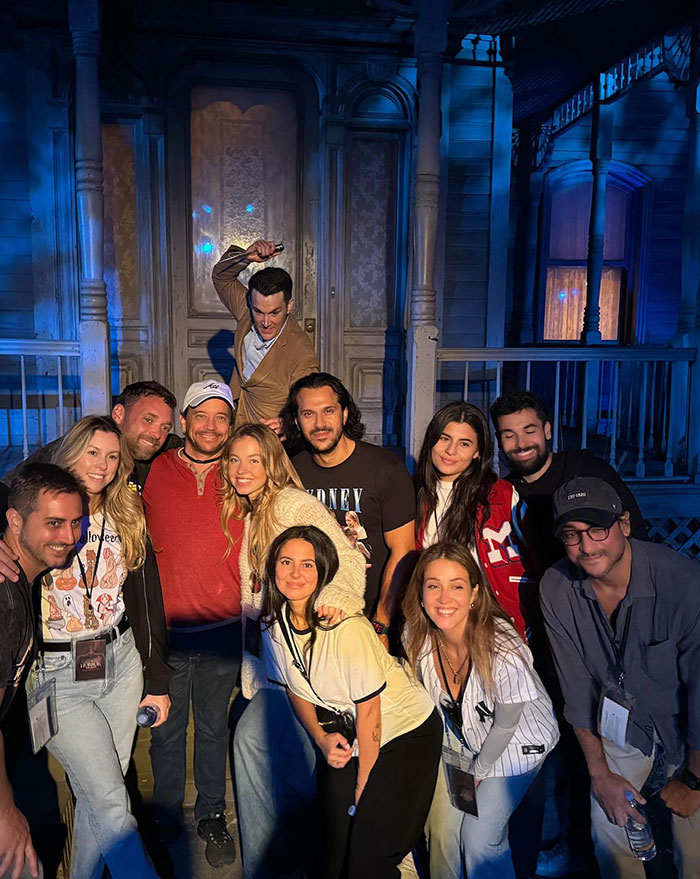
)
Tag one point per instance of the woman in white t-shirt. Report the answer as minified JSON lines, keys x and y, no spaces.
{"x":375,"y":725}
{"x":498,"y":720}
{"x":102,"y":631}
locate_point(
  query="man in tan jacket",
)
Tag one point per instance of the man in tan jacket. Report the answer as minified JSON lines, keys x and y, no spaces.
{"x":271,"y":349}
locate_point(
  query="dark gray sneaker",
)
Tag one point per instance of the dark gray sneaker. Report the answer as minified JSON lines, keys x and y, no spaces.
{"x":220,"y":849}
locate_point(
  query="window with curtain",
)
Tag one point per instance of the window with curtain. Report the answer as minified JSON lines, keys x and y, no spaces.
{"x":565,"y":284}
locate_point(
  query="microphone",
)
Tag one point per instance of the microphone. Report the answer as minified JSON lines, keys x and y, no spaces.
{"x":242,"y":257}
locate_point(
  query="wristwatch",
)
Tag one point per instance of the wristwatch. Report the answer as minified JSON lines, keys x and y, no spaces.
{"x":380,"y":628}
{"x":690,"y":780}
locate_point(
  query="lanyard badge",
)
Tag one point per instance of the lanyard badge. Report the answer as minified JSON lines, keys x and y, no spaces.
{"x":90,"y":618}
{"x":616,"y":704}
{"x":43,"y":721}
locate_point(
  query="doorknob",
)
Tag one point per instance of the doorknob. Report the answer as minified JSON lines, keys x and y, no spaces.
{"x":310,"y":326}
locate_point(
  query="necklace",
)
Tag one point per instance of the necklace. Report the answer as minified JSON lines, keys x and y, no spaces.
{"x":455,"y":672}
{"x":196,"y":460}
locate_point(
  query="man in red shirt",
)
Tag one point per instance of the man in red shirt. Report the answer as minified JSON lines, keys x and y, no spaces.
{"x":202,"y":597}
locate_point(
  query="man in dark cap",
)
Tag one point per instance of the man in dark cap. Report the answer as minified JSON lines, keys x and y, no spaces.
{"x":623,"y":619}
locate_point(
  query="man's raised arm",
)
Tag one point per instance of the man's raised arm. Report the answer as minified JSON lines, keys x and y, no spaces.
{"x":225,"y":274}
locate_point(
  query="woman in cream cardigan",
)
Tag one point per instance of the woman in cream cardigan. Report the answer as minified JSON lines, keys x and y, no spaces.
{"x":274,"y":760}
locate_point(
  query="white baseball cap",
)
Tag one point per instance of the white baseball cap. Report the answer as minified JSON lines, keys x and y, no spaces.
{"x":198,"y":392}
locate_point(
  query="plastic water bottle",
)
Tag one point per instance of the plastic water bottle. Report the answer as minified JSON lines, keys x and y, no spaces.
{"x":147,"y":715}
{"x":639,"y":835}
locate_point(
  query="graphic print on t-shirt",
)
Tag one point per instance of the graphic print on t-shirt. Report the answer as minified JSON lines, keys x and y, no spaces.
{"x":66,"y":609}
{"x":346,"y":506}
{"x":369,"y":493}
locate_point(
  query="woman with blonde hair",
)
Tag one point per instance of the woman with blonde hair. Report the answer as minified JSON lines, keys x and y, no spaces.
{"x":274,"y":760}
{"x":498,"y":720}
{"x":102,"y":644}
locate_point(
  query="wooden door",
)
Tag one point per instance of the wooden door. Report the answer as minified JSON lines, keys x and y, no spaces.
{"x":245,"y":172}
{"x":363,"y":313}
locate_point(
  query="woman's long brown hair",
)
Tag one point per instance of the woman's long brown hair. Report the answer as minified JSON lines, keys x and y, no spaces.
{"x":468,"y":505}
{"x":480,"y":631}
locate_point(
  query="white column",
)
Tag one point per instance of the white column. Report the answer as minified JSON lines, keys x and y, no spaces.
{"x":430,"y":38}
{"x":84,"y":16}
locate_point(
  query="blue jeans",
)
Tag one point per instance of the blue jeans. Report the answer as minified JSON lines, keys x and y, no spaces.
{"x":275,"y":763}
{"x":206,"y":668}
{"x":96,"y":726}
{"x":461,"y":845}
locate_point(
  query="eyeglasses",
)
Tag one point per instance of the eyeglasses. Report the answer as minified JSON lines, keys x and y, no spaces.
{"x":572,"y":536}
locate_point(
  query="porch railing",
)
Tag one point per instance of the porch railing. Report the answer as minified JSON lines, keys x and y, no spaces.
{"x":39,"y":391}
{"x":632,"y":406}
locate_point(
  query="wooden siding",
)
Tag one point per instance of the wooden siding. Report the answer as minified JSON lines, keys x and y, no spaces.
{"x":16,"y":299}
{"x":468,"y":204}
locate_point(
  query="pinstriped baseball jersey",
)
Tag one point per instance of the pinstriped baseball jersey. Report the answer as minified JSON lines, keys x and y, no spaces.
{"x":516,"y":681}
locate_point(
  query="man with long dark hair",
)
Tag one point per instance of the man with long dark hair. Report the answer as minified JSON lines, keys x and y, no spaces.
{"x":366,"y":487}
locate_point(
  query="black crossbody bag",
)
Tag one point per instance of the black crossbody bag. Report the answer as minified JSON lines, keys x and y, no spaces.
{"x":331,"y":720}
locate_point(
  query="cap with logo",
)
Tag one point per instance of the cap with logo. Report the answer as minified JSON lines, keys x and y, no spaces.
{"x":586,"y":499}
{"x":198,"y":392}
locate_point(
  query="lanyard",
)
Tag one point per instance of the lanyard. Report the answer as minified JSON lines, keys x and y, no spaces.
{"x":620,"y":651}
{"x":297,"y":659}
{"x":83,"y":576}
{"x":455,"y":711}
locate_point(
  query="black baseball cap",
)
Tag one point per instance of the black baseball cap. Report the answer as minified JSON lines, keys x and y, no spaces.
{"x":586,"y":499}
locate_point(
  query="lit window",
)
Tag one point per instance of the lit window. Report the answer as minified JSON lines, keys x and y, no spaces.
{"x":565,"y":279}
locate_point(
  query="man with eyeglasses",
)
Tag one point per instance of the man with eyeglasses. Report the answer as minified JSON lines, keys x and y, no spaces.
{"x":623,"y":619}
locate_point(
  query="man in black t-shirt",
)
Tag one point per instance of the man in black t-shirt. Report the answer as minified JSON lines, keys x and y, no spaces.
{"x":366,"y":487}
{"x":523,"y":431}
{"x":45,"y":510}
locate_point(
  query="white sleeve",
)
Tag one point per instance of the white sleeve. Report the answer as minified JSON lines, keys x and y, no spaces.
{"x":358,"y":660}
{"x":272,"y":657}
{"x":513,"y":678}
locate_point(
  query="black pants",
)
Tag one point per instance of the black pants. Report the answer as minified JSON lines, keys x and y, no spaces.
{"x":391,"y":813}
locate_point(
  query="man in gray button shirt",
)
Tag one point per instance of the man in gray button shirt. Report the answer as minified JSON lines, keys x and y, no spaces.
{"x":623,"y":619}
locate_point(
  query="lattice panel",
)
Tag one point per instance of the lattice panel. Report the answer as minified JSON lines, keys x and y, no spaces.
{"x":681,"y":533}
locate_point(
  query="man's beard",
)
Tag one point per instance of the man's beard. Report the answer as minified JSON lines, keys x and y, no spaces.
{"x":34,"y":553}
{"x":199,"y":452}
{"x":143,"y":450}
{"x":324,"y":450}
{"x":525,"y":468}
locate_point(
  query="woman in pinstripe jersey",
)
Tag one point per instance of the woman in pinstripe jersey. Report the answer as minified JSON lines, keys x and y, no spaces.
{"x":498,"y":720}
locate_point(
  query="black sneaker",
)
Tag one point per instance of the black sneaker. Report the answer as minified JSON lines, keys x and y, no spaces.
{"x":220,"y":849}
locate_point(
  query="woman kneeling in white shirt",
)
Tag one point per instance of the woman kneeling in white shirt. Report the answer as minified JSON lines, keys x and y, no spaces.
{"x":499,"y":723}
{"x":375,"y":796}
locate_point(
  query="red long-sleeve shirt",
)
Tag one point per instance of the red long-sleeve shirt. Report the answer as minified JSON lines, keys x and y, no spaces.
{"x":201,"y":583}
